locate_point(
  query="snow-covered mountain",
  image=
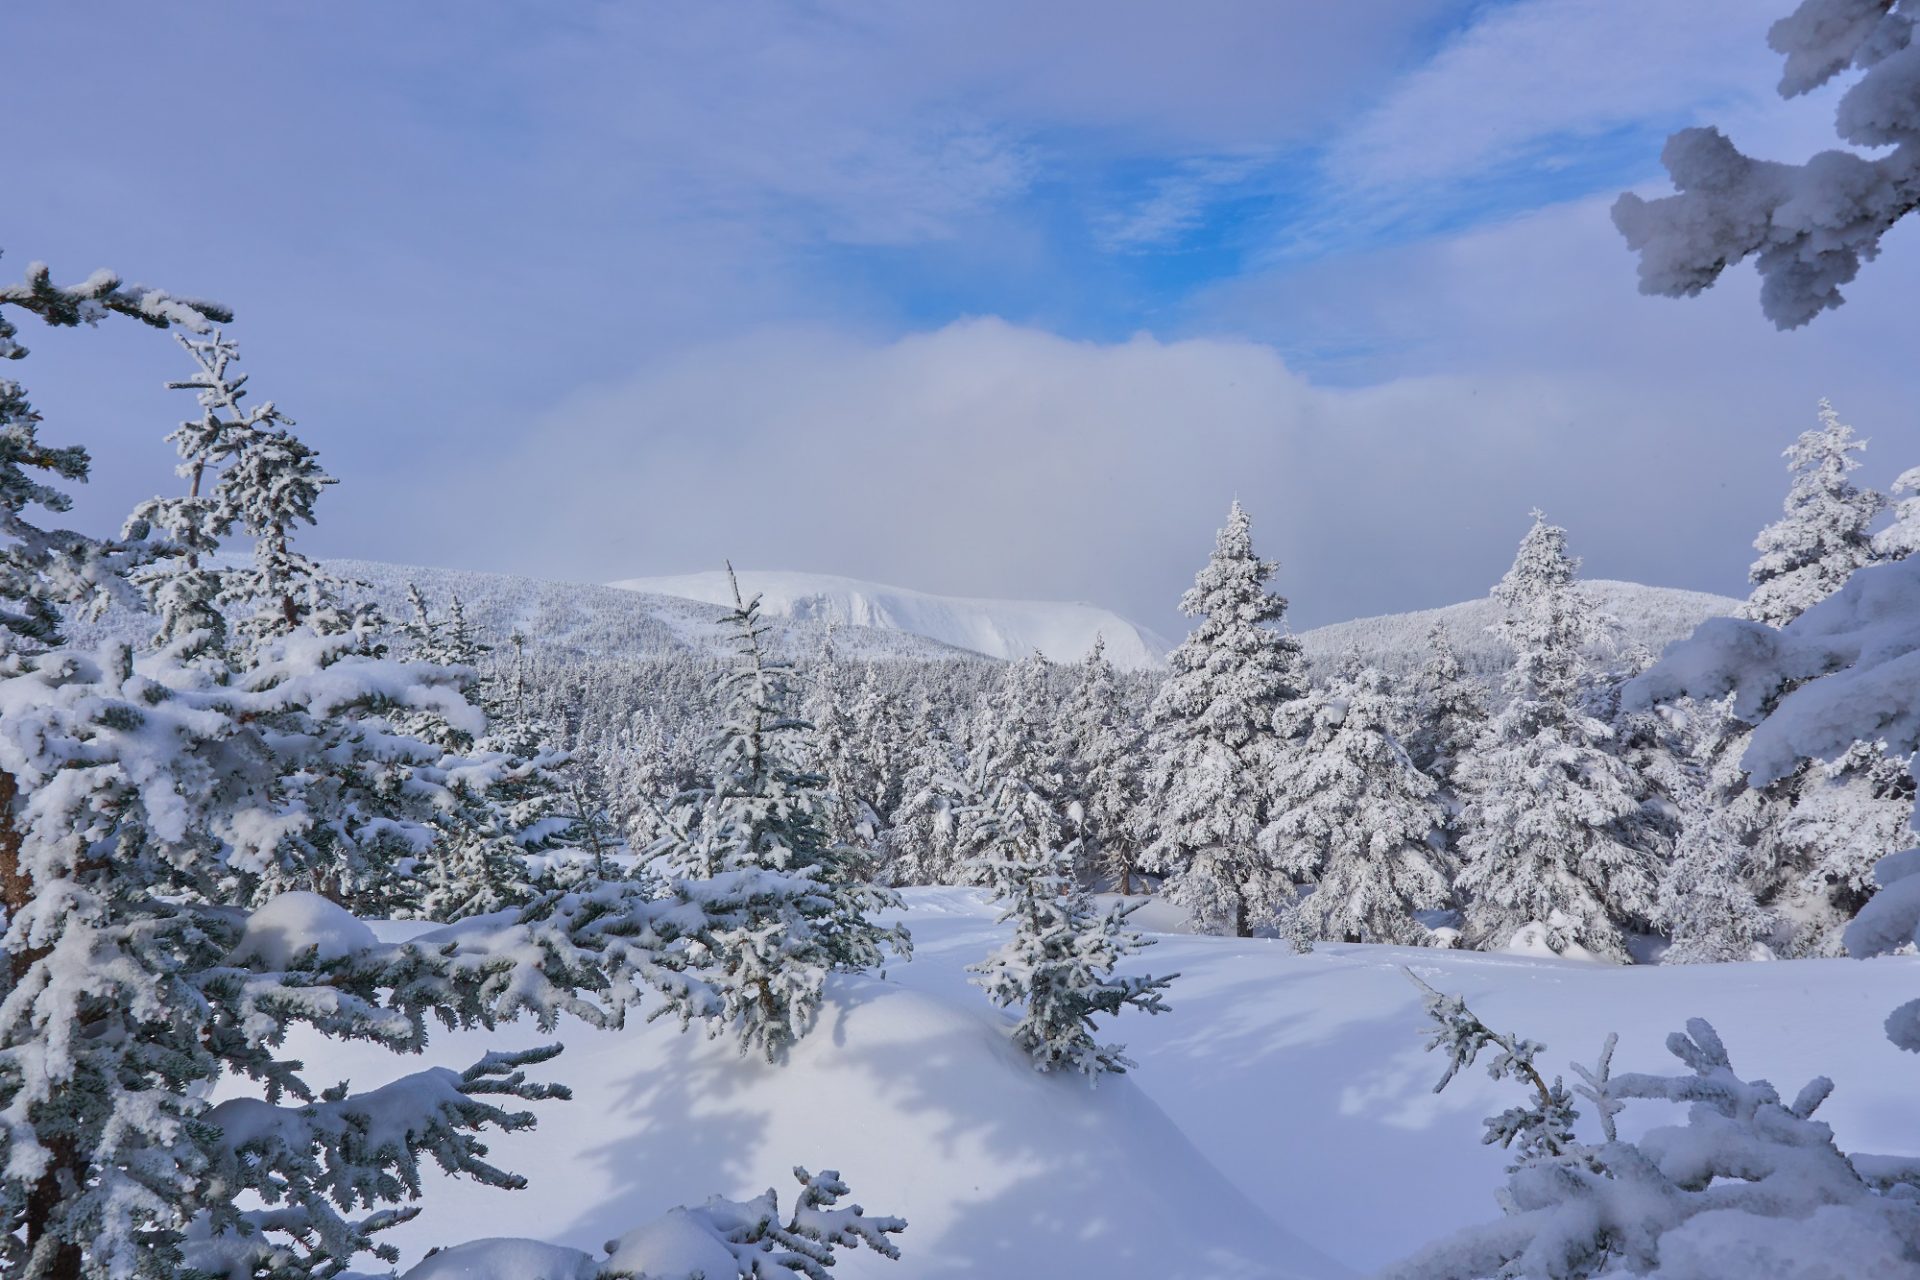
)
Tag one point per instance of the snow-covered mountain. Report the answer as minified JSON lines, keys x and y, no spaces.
{"x":601,"y":621}
{"x":1651,"y":616}
{"x":997,"y":628}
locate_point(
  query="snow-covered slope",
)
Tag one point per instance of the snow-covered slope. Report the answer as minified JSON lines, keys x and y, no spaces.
{"x":1650,"y":616}
{"x":997,"y":628}
{"x":1281,"y":1121}
{"x":605,"y":622}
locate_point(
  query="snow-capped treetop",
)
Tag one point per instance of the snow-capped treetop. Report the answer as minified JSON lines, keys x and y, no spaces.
{"x":1238,"y":664}
{"x":1822,"y":537}
{"x":1809,"y":226}
{"x":1546,"y":618}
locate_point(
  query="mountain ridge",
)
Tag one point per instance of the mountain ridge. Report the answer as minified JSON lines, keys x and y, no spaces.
{"x":1062,"y":631}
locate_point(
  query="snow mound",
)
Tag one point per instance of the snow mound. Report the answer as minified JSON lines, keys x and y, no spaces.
{"x":287,"y":927}
{"x":1651,"y":616}
{"x":506,"y":1260}
{"x":921,"y":1102}
{"x":998,"y":628}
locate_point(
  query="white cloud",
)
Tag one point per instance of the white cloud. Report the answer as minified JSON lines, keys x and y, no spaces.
{"x":1523,"y":76}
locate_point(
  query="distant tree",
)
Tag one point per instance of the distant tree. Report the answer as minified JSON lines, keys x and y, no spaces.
{"x":1823,"y":535}
{"x":1356,"y":817}
{"x":1808,"y":226}
{"x":1103,"y":745}
{"x":1707,"y":905}
{"x":1550,"y":828}
{"x":1449,"y":708}
{"x":1214,"y":752}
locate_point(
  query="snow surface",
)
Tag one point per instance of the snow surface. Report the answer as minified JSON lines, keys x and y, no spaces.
{"x":1281,"y":1122}
{"x":998,"y":628}
{"x":1651,"y":616}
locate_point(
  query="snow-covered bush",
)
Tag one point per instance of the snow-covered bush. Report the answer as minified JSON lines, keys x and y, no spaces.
{"x":719,"y":1240}
{"x":1809,"y":226}
{"x":1058,"y":965}
{"x":1748,"y":1185}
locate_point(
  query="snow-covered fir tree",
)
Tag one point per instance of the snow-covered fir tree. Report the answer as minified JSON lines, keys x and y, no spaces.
{"x":1847,"y":815}
{"x":1823,"y":535}
{"x":769,"y":903}
{"x":1213,"y":752}
{"x":359,"y":796}
{"x":132,"y":785}
{"x":1707,"y":906}
{"x":923,"y":843}
{"x":1449,"y":709}
{"x":883,"y":734}
{"x":1551,"y":826}
{"x":1058,"y":965}
{"x":1359,"y":820}
{"x":834,"y":751}
{"x":1015,"y":781}
{"x":1103,"y":744}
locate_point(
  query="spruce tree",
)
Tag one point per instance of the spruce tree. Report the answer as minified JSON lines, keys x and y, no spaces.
{"x":1213,"y":749}
{"x":1449,"y":708}
{"x":771,"y":903}
{"x":1058,"y":965}
{"x":1359,"y":820}
{"x":1103,"y":745}
{"x":1016,"y":772}
{"x":1551,"y":825}
{"x":923,"y":844}
{"x":135,"y":786}
{"x":1822,"y":537}
{"x":1707,"y":907}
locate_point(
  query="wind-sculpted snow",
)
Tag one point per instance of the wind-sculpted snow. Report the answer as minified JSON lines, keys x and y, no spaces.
{"x":1251,"y":1140}
{"x":997,"y":628}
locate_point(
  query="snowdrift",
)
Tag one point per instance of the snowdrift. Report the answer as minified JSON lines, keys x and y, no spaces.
{"x":1281,"y":1121}
{"x":920,"y":1102}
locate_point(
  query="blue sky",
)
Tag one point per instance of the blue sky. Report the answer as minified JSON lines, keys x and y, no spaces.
{"x":981,"y":297}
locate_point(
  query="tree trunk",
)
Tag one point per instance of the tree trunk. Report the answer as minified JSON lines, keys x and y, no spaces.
{"x":1240,"y":929}
{"x":16,"y":886}
{"x":63,"y":1259}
